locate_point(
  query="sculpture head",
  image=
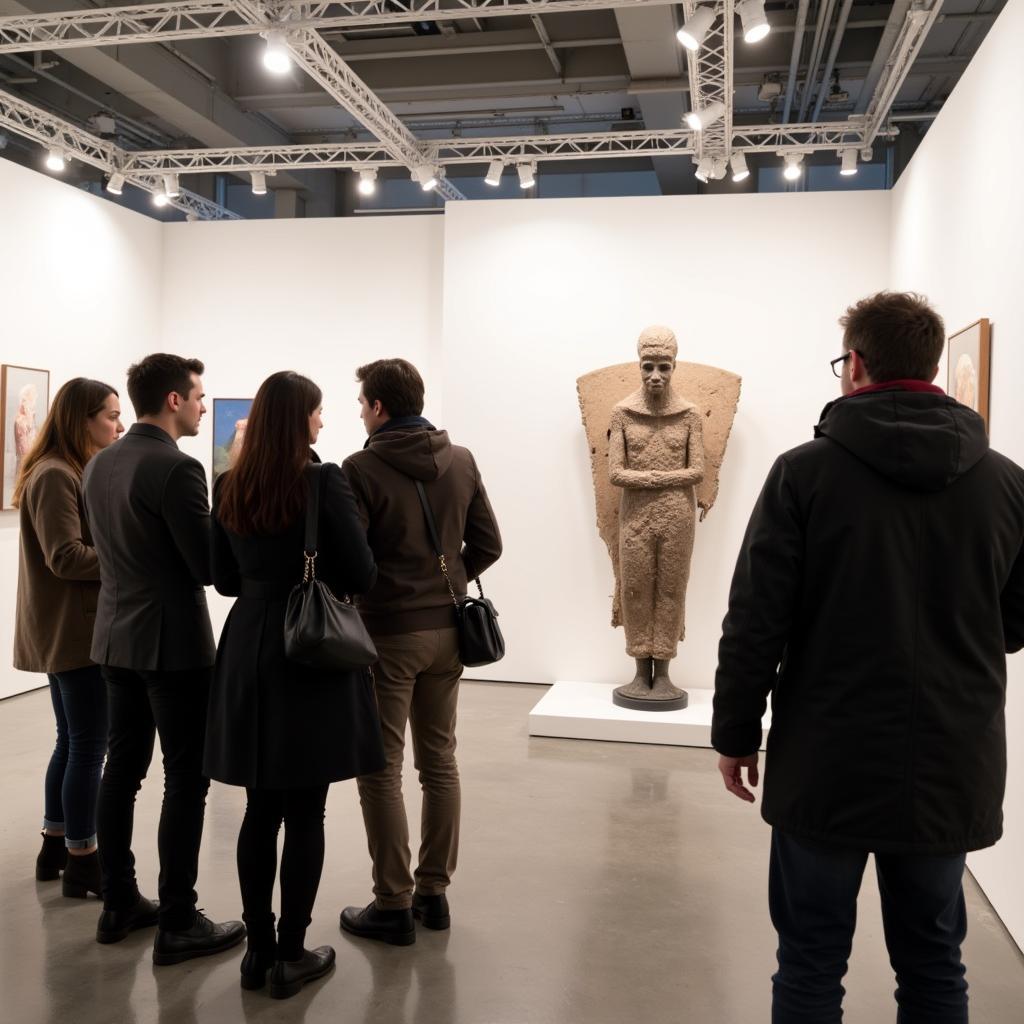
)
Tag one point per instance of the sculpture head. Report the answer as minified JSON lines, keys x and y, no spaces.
{"x":657,"y":349}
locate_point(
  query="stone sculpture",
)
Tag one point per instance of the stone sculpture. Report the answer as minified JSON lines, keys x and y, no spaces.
{"x":654,"y":464}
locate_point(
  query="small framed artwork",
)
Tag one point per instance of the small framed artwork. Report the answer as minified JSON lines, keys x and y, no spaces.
{"x":230,"y":418}
{"x":25,"y":401}
{"x":968,"y":369}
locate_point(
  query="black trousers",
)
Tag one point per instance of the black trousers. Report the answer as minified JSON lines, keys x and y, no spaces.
{"x":140,"y":705}
{"x":302,"y":861}
{"x":812,"y":893}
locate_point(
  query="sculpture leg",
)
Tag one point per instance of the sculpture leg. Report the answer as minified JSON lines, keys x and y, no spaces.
{"x":663,"y":688}
{"x":637,"y":567}
{"x":640,"y":686}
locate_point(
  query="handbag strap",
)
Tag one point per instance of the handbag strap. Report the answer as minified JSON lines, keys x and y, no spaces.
{"x":312,"y":523}
{"x":428,"y":514}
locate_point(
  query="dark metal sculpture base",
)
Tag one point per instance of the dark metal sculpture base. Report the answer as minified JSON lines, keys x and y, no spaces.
{"x":639,"y":704}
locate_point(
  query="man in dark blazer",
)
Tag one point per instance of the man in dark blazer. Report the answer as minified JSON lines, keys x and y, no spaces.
{"x":878,"y":590}
{"x":147,"y":507}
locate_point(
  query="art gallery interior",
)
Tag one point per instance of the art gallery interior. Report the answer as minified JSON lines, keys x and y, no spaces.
{"x":600,"y":878}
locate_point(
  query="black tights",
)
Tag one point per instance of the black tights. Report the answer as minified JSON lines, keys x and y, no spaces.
{"x":302,"y":861}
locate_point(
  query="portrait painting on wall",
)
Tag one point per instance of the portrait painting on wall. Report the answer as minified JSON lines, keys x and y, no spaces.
{"x":230,"y":417}
{"x":25,"y":397}
{"x":968,"y":368}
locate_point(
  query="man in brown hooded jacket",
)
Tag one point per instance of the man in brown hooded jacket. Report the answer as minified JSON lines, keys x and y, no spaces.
{"x":411,"y":616}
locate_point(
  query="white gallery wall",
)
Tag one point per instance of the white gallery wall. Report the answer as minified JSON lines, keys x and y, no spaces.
{"x":537,"y":294}
{"x":80,"y":289}
{"x":958,"y":236}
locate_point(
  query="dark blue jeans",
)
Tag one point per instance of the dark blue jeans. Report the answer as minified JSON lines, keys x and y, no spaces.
{"x":73,"y":775}
{"x":812,"y":894}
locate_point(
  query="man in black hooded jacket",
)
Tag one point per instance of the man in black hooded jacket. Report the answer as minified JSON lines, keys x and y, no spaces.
{"x":878,"y":590}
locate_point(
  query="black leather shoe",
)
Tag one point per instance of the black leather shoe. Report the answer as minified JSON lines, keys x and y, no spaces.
{"x":288,"y":976}
{"x":255,"y":965}
{"x":82,"y":876}
{"x":395,"y":927}
{"x":114,"y":925}
{"x":204,"y":938}
{"x":432,"y":911}
{"x":52,"y":858}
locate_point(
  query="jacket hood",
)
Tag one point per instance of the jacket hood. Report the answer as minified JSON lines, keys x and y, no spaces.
{"x":419,"y":452}
{"x":919,"y":440}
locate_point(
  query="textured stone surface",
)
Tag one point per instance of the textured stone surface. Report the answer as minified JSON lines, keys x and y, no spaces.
{"x":716,"y":395}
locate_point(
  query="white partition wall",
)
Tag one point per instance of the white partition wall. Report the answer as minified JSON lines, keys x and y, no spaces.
{"x":537,"y":294}
{"x":80,"y":287}
{"x":958,"y":236}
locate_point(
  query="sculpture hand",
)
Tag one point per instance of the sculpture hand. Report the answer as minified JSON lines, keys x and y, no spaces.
{"x":732,"y":774}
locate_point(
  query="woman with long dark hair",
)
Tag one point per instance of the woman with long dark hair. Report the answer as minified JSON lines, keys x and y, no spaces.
{"x":58,"y":585}
{"x":283,"y":731}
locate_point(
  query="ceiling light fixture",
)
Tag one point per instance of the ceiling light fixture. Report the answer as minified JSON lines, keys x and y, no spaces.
{"x":259,"y":183}
{"x":740,"y":171}
{"x":55,"y":159}
{"x":426,"y":176}
{"x":115,"y":184}
{"x":794,"y":166}
{"x":171,"y":188}
{"x":694,"y":31}
{"x":752,"y":18}
{"x":277,"y":57}
{"x":527,"y":175}
{"x":367,"y":181}
{"x":495,"y":169}
{"x":698,"y":120}
{"x":160,"y":199}
{"x":705,"y":168}
{"x":849,"y":165}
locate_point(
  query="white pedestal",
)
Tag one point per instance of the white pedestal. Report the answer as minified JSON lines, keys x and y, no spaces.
{"x":584,"y":711}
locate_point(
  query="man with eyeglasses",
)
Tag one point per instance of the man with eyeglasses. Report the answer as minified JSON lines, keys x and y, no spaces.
{"x":878,"y":590}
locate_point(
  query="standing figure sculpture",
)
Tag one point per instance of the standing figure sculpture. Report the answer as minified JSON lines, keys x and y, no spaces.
{"x":656,"y":455}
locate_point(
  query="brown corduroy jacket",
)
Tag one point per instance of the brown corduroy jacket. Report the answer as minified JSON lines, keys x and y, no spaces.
{"x":58,"y":573}
{"x":410,"y":593}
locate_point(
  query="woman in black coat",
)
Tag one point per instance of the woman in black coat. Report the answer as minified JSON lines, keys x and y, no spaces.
{"x":283,"y":731}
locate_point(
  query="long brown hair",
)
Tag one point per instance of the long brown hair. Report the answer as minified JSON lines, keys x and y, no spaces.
{"x":265,"y":491}
{"x":65,"y":431}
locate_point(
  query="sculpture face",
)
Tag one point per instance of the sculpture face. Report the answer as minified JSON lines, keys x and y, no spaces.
{"x":656,"y":371}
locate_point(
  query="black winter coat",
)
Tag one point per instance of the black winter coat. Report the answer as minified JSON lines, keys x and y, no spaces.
{"x":879,"y":588}
{"x":274,"y":724}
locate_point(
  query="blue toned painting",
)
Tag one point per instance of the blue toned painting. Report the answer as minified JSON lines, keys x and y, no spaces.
{"x":230,"y":416}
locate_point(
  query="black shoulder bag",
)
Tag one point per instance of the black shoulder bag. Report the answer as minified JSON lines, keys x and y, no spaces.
{"x":480,"y":639}
{"x":321,"y":631}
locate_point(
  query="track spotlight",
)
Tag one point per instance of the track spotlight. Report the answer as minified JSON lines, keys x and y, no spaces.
{"x":367,"y":181}
{"x":495,"y":169}
{"x":705,"y":168}
{"x":55,"y":159}
{"x":698,"y":120}
{"x":755,"y":24}
{"x":740,"y":171}
{"x":277,"y":57}
{"x":160,"y":199}
{"x":693,"y":32}
{"x":259,"y":183}
{"x":794,"y":166}
{"x":115,"y":184}
{"x":171,"y":188}
{"x":527,"y":175}
{"x":426,"y":176}
{"x":849,"y":158}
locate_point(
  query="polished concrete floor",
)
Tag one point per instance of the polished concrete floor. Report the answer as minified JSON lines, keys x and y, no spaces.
{"x":599,"y":883}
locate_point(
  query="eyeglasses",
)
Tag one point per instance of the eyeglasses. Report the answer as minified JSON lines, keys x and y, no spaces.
{"x":837,"y":363}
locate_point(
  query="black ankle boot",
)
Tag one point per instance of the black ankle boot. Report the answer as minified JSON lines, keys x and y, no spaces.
{"x":255,"y":965}
{"x":432,"y":911}
{"x":82,"y":876}
{"x":52,"y":858}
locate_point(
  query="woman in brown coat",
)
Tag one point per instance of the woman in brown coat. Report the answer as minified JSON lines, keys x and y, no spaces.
{"x":58,"y":583}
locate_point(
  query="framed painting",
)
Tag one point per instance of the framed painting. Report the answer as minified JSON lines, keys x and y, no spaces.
{"x":967,"y":371}
{"x":230,"y":417}
{"x":24,"y":403}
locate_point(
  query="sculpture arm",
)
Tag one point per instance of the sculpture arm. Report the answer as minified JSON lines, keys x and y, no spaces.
{"x":693,"y":474}
{"x":620,"y":476}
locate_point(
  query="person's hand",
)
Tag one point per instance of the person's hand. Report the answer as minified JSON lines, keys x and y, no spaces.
{"x":732,"y":774}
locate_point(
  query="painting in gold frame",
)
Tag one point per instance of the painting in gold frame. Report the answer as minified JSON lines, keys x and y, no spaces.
{"x":967,"y":371}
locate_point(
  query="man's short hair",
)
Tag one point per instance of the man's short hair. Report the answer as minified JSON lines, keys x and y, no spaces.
{"x":152,"y":379}
{"x":395,"y":383}
{"x":897,"y":334}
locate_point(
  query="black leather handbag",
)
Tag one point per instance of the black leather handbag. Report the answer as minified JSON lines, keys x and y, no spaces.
{"x":480,"y":639}
{"x":320,"y":630}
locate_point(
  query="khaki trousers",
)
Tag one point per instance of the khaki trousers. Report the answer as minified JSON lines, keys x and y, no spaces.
{"x":417,"y":681}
